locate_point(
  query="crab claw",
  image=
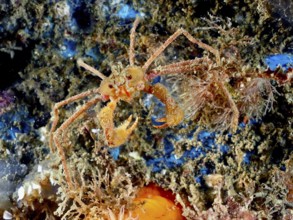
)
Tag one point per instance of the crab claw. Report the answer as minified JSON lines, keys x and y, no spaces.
{"x":115,"y":136}
{"x":174,"y":113}
{"x":121,"y":134}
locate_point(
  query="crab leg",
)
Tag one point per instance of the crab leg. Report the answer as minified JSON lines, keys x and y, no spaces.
{"x":174,"y":114}
{"x":179,"y":32}
{"x":115,"y":136}
{"x":179,"y":67}
{"x":91,"y":69}
{"x":235,"y":116}
{"x":58,"y":105}
{"x":57,"y":136}
{"x":132,"y":40}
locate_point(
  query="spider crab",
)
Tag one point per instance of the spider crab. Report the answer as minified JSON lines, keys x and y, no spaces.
{"x":124,"y":84}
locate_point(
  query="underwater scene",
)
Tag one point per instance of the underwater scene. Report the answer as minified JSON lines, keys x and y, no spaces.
{"x":147,"y":110}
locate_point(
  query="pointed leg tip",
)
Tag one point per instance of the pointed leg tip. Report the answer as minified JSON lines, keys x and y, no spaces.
{"x":161,"y":126}
{"x":134,"y":125}
{"x":160,"y":120}
{"x":129,"y":118}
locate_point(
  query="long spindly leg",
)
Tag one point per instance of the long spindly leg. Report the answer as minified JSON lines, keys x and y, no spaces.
{"x":172,"y":38}
{"x":91,"y":69}
{"x":57,"y":136}
{"x":132,"y":41}
{"x":235,"y":112}
{"x":115,"y":136}
{"x":179,"y":67}
{"x":174,"y":113}
{"x":58,"y":105}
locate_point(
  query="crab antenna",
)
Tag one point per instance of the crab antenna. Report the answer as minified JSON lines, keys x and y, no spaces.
{"x":91,"y":69}
{"x":132,"y":41}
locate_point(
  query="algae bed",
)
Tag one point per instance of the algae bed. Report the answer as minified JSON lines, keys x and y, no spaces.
{"x":230,"y":158}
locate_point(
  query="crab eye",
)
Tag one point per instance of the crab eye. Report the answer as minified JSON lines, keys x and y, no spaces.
{"x":129,"y":77}
{"x":110,"y":86}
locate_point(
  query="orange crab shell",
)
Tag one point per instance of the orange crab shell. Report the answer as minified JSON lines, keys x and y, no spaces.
{"x":123,"y":85}
{"x":153,"y":202}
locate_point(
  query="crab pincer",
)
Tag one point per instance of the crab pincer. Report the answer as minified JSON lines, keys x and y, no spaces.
{"x":174,"y":113}
{"x":115,"y":136}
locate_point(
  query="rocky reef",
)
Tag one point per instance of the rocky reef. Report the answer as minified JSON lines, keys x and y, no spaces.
{"x":230,"y":158}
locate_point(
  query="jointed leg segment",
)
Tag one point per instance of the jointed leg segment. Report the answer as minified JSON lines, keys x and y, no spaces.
{"x":179,"y":67}
{"x":91,"y":69}
{"x":56,"y":136}
{"x":132,"y":41}
{"x":58,"y":105}
{"x":172,"y":38}
{"x":235,"y":111}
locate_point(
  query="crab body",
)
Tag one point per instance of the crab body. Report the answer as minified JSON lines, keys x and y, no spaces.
{"x":124,"y":84}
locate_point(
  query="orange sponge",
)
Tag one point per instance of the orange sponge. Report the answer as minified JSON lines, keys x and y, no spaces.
{"x":152,"y":202}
